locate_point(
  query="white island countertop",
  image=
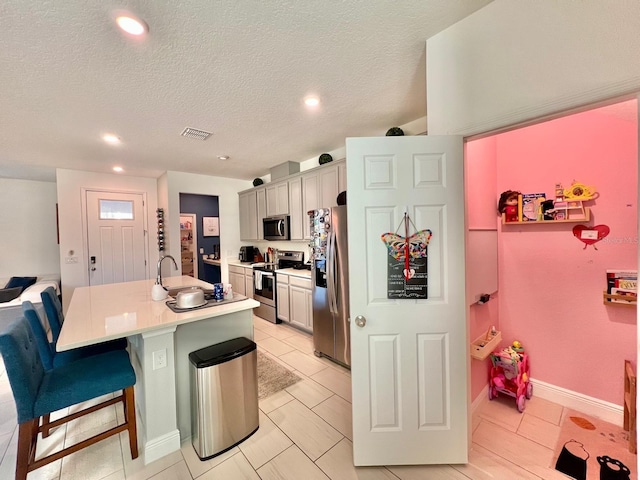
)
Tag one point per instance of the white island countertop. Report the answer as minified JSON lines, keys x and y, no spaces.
{"x":106,"y":312}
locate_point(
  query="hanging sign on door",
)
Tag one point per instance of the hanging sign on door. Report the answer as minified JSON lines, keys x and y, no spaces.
{"x":407,"y":262}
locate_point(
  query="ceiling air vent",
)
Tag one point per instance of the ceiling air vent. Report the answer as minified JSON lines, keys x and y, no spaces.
{"x":195,"y":133}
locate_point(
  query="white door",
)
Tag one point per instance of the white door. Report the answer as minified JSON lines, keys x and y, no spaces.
{"x":115,"y":237}
{"x":410,"y":359}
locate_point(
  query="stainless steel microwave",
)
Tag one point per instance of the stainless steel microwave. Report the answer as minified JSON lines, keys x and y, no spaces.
{"x":276,"y":228}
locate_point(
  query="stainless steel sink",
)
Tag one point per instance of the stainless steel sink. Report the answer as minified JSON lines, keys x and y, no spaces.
{"x":173,"y":291}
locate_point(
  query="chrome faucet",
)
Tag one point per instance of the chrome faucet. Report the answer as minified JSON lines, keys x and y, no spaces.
{"x":159,"y":275}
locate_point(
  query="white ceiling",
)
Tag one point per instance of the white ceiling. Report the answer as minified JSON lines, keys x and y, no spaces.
{"x":239,"y":69}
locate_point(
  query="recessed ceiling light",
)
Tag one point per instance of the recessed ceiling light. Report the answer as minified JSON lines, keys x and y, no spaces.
{"x":111,"y":138}
{"x":312,"y":101}
{"x":118,"y":169}
{"x":223,"y":157}
{"x":131,"y":24}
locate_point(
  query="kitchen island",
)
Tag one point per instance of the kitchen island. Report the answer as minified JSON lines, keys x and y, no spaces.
{"x":159,"y":341}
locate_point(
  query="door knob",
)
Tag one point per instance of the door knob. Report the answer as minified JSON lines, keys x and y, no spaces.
{"x":361,"y":321}
{"x":93,"y":269}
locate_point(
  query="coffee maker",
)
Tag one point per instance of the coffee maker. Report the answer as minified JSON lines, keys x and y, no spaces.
{"x":246,"y":254}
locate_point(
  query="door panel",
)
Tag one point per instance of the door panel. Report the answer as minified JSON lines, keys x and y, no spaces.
{"x":116,"y":244}
{"x":409,"y":360}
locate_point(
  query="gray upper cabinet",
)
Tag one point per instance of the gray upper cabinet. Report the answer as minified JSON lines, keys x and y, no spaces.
{"x":261,"y":199}
{"x":277,"y":199}
{"x":297,"y":214}
{"x":248,"y":216}
{"x":295,"y":196}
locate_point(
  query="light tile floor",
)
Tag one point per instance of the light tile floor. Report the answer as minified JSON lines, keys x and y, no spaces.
{"x":305,"y":433}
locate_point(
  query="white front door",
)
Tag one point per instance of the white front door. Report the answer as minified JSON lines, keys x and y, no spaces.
{"x":115,"y":237}
{"x":410,"y":359}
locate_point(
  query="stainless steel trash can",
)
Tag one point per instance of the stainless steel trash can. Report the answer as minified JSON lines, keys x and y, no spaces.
{"x":224,"y":396}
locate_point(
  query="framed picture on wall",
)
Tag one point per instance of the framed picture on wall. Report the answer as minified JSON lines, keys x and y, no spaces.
{"x":210,"y":227}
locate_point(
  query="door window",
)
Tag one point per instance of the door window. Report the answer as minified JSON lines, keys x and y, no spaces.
{"x":116,"y":209}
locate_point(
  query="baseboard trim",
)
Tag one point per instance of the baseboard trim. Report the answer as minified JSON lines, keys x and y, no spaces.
{"x":161,"y":446}
{"x":484,"y":393}
{"x":607,"y":411}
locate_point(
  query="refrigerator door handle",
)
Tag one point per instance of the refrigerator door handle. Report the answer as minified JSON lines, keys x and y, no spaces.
{"x":329,"y":267}
{"x":331,"y":273}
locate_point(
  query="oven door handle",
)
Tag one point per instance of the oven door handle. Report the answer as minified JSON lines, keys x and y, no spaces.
{"x":267,"y":274}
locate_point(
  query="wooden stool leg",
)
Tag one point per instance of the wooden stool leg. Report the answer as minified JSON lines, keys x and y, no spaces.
{"x":46,"y":419}
{"x":26,"y":447}
{"x":130,"y":413}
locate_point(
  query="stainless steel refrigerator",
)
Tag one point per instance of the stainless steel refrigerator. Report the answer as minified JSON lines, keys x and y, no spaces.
{"x":330,"y":276}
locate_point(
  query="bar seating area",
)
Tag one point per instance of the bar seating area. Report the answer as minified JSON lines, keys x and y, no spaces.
{"x":43,"y":382}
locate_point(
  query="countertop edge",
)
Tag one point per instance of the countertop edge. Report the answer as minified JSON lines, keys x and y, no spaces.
{"x":242,"y":305}
{"x":294,"y":272}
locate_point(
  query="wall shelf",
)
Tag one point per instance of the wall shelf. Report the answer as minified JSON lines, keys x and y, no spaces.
{"x":585,"y":218}
{"x":618,"y":300}
{"x":485,"y":344}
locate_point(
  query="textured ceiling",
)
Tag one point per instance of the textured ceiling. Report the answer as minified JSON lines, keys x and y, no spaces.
{"x":239,"y":69}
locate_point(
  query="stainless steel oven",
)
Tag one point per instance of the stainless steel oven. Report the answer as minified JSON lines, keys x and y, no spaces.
{"x":264,"y":291}
{"x":264,"y":282}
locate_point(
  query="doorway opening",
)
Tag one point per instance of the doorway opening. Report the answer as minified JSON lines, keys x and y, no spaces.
{"x":202,"y":212}
{"x":188,"y":244}
{"x":550,"y":293}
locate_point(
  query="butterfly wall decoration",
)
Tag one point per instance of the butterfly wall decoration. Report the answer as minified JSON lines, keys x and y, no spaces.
{"x":407,"y":247}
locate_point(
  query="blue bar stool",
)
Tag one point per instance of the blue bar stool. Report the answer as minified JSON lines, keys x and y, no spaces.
{"x":55,"y":317}
{"x":38,"y":392}
{"x":50,"y":357}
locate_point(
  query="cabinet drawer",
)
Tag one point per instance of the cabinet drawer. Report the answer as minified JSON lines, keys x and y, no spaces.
{"x":236,"y":269}
{"x":282,"y":278}
{"x":300,"y":282}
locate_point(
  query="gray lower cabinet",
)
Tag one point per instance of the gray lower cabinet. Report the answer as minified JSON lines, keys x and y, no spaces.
{"x":300,"y":304}
{"x":282,"y":296}
{"x":241,"y":280}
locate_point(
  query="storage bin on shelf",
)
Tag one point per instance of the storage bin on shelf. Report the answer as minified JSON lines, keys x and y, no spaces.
{"x":510,"y":375}
{"x":482,"y":346}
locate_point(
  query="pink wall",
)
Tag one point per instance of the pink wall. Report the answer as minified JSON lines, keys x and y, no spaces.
{"x":480,"y":188}
{"x":550,"y":287}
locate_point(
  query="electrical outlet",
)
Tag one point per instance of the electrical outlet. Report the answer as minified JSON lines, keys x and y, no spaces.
{"x":160,"y":359}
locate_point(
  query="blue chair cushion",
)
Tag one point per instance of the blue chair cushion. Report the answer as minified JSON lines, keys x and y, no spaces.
{"x":51,"y":358}
{"x":23,"y":365}
{"x":23,"y":282}
{"x":41,"y":340}
{"x":8,"y":294}
{"x":68,"y":356}
{"x":53,"y":310}
{"x":83,"y":380}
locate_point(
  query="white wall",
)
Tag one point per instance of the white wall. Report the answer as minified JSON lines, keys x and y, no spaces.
{"x":72,"y":224}
{"x":226,"y":189}
{"x":516,"y":60}
{"x":28,"y":241}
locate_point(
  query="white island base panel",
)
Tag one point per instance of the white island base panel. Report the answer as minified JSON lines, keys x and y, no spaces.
{"x":164,"y":425}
